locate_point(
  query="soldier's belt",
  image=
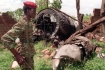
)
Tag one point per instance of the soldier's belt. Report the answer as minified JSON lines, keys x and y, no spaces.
{"x":25,"y":41}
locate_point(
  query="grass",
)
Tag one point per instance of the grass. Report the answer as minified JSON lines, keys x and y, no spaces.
{"x":5,"y":59}
{"x":86,"y":17}
{"x":94,"y":63}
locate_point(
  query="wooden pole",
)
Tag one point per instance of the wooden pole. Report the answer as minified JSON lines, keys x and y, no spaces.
{"x":78,"y":8}
{"x":47,"y":3}
{"x":78,"y":14}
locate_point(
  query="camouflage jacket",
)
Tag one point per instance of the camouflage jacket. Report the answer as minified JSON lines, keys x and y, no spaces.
{"x":24,"y":31}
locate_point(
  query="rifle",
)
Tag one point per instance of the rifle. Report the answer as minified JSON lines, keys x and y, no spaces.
{"x":20,"y":59}
{"x":25,"y":62}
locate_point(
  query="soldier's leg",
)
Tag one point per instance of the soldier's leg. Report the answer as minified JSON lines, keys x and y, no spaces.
{"x":30,"y":62}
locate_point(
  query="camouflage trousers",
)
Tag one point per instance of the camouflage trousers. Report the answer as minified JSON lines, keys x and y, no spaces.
{"x":28,"y":53}
{"x":30,"y":62}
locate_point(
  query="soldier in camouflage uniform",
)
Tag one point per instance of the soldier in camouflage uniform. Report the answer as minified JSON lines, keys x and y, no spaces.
{"x":24,"y":31}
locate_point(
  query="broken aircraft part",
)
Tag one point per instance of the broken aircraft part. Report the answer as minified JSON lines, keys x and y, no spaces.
{"x":53,"y":24}
{"x":79,"y":49}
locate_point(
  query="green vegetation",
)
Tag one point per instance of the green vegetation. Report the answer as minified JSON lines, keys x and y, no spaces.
{"x":6,"y":58}
{"x":57,"y":4}
{"x":42,"y":4}
{"x":86,"y":17}
{"x":93,"y":63}
{"x":16,"y":14}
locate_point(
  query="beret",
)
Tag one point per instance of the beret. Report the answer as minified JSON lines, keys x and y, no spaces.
{"x":30,"y":4}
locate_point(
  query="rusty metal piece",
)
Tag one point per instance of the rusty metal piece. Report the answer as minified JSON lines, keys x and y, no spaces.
{"x":68,"y":15}
{"x":95,"y":16}
{"x":102,"y":12}
{"x":6,"y":22}
{"x":80,"y":47}
{"x":79,"y":20}
{"x":86,"y":29}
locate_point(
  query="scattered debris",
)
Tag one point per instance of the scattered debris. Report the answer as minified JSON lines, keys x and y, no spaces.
{"x":99,"y":53}
{"x":46,"y":52}
{"x":80,"y":48}
{"x":6,"y":22}
{"x":14,"y":65}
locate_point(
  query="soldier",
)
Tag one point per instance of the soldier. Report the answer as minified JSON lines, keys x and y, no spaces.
{"x":22,"y":30}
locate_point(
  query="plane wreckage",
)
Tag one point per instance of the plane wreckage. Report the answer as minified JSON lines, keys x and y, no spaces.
{"x":67,"y":32}
{"x":53,"y":24}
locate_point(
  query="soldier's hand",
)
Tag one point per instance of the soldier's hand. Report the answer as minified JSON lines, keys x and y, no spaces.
{"x":19,"y":59}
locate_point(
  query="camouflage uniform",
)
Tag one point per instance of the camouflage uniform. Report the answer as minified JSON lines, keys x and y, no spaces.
{"x":24,"y":31}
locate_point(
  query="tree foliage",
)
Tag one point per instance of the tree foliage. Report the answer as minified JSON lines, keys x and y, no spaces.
{"x":16,"y":14}
{"x":42,"y":4}
{"x":57,"y":4}
{"x":86,"y":17}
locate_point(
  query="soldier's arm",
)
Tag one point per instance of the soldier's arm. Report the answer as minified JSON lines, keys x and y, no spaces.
{"x":8,"y":39}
